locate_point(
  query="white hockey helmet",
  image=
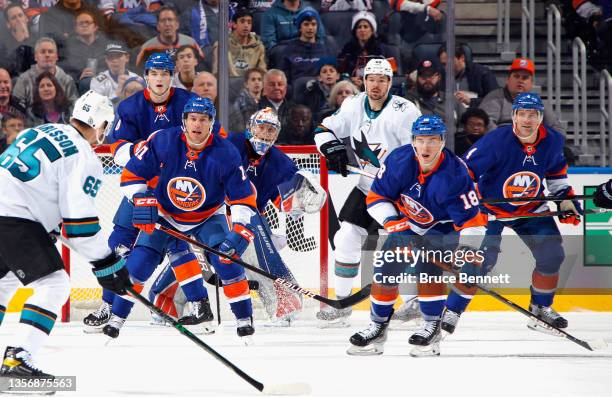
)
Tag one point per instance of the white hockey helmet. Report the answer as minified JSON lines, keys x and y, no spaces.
{"x":378,"y":66}
{"x":94,"y":110}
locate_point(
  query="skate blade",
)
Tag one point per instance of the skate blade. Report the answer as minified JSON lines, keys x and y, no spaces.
{"x":375,"y":349}
{"x":534,"y":326}
{"x":207,"y":328}
{"x":247,"y":340}
{"x":431,"y":350}
{"x":323,"y":324}
{"x":87,"y":329}
{"x":277,"y":324}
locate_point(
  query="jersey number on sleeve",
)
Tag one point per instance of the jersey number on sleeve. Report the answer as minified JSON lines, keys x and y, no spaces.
{"x":23,"y":164}
{"x":470,"y":200}
{"x":91,"y":186}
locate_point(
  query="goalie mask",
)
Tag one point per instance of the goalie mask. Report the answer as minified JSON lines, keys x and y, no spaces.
{"x":263,"y":129}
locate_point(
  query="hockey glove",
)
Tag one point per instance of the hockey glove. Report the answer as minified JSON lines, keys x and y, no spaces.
{"x":336,"y":157}
{"x":603,"y":195}
{"x":236,"y":242}
{"x":398,"y":228}
{"x":145,"y":212}
{"x":112,"y":273}
{"x":571,"y":208}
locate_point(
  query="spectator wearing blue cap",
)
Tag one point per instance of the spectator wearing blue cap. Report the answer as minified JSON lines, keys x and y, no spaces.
{"x":318,"y":90}
{"x":302,"y":54}
{"x":278,"y":23}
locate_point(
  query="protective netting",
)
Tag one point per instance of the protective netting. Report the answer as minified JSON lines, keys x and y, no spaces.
{"x":302,"y":253}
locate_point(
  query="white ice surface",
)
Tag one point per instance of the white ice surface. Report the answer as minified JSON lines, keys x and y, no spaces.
{"x":491,"y":354}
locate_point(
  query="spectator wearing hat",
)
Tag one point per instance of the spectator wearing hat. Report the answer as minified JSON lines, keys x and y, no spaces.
{"x":84,"y":50}
{"x":246,"y":50}
{"x":318,"y":90}
{"x":473,"y":127}
{"x":473,"y":81}
{"x":278,"y":23}
{"x":428,"y":94}
{"x":363,"y":43}
{"x":111,"y":82}
{"x":498,"y":103}
{"x":302,"y":54}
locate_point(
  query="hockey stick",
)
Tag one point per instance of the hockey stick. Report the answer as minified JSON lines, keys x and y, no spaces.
{"x":549,"y":213}
{"x":359,"y":171}
{"x":278,"y":389}
{"x":535,"y":199}
{"x":593,"y":345}
{"x":338,"y":304}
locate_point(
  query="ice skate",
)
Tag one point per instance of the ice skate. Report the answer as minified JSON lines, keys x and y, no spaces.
{"x":94,"y":322}
{"x":199,"y":314}
{"x":548,"y":315}
{"x":245,"y":330}
{"x":17,"y":363}
{"x":426,"y":341}
{"x":114,"y":326}
{"x":370,"y":341}
{"x":407,"y":315}
{"x":330,"y":317}
{"x":449,"y":321}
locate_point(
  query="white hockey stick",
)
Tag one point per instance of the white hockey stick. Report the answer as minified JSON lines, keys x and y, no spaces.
{"x":359,"y":171}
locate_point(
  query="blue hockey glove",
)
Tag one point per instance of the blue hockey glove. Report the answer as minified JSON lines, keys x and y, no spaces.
{"x":236,"y":242}
{"x":145,"y":212}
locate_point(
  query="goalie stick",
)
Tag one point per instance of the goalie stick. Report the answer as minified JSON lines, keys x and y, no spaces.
{"x":338,"y":304}
{"x":592,"y":345}
{"x":298,"y":388}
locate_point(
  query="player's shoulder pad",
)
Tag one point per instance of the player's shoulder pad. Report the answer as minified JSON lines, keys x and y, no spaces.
{"x":225,"y":151}
{"x":557,"y":137}
{"x":132,"y":105}
{"x":400,"y":159}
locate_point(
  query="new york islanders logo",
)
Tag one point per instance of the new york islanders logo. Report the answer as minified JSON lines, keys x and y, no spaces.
{"x":522,"y":184}
{"x":186,"y":193}
{"x":416,"y":211}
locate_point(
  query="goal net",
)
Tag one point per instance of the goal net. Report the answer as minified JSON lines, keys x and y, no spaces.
{"x":305,"y":253}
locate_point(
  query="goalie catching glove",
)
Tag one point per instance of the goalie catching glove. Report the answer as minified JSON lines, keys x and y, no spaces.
{"x":112,"y":273}
{"x":145,"y":212}
{"x":301,"y":194}
{"x":236,"y":242}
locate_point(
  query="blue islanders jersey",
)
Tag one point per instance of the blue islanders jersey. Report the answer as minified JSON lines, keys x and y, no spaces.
{"x":444,"y":194}
{"x":266,"y":173}
{"x":190,"y":185}
{"x":503,"y":166}
{"x":137,"y":118}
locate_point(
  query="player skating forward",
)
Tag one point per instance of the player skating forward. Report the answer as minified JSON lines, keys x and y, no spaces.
{"x":514,"y":161}
{"x":277,"y":180}
{"x":50,"y":176}
{"x":371,"y":124}
{"x":159,"y":106}
{"x":425,"y":198}
{"x":195,"y":171}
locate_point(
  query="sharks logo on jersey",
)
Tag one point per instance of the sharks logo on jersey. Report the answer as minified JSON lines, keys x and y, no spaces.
{"x":416,"y":211}
{"x":522,"y":184}
{"x":186,"y":193}
{"x":368,"y":153}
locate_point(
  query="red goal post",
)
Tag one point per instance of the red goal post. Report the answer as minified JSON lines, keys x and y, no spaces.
{"x":86,"y":294}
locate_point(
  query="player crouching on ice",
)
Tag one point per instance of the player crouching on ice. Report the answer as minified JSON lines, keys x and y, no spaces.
{"x":277,"y":180}
{"x":51,"y":175}
{"x":500,"y":163}
{"x":195,"y":171}
{"x":425,"y":199}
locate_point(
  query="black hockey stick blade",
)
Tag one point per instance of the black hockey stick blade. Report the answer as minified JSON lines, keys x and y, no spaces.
{"x":299,"y":388}
{"x":535,"y":199}
{"x":592,"y":345}
{"x":338,"y":304}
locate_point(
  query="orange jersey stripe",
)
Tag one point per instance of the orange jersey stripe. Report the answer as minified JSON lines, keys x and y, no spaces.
{"x":384,"y":293}
{"x":479,"y":219}
{"x":431,"y":289}
{"x":542,"y":281}
{"x":561,"y":172}
{"x":128,"y":176}
{"x":194,"y":216}
{"x":250,"y":201}
{"x":372,"y":197}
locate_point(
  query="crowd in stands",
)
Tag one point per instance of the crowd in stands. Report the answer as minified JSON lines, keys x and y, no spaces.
{"x":300,"y":57}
